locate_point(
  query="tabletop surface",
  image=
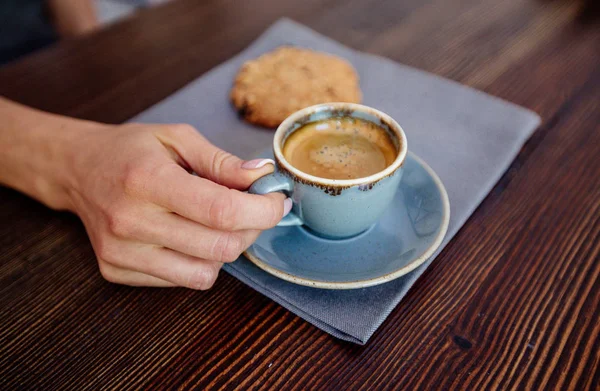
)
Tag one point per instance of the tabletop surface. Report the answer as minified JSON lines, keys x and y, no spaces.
{"x":513,"y":301}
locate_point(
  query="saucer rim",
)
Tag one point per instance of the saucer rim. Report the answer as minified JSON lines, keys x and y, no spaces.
{"x":417,"y":261}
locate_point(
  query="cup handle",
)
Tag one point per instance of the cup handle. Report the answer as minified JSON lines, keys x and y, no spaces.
{"x":277,"y":182}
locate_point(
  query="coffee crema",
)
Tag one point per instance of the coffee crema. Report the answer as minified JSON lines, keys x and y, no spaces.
{"x":340,"y":148}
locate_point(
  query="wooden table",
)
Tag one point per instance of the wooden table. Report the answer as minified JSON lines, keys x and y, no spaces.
{"x":512,"y":302}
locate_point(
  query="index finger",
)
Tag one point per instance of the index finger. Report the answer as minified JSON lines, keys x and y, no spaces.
{"x":216,"y":206}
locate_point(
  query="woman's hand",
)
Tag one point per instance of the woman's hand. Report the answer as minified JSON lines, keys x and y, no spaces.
{"x":151,"y":222}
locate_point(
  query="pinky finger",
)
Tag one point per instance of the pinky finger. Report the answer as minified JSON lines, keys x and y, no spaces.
{"x":122,"y":276}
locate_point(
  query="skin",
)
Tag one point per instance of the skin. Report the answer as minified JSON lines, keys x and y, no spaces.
{"x":73,"y":17}
{"x":150,"y":221}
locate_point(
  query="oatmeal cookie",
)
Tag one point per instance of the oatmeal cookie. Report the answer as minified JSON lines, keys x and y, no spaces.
{"x":270,"y":88}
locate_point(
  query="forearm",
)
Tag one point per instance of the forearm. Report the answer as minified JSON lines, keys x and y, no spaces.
{"x":36,"y":152}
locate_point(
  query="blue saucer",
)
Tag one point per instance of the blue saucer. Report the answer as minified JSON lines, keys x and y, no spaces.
{"x":406,"y":236}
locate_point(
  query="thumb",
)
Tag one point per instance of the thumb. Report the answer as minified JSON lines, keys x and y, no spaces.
{"x":211,"y":162}
{"x":230,"y":171}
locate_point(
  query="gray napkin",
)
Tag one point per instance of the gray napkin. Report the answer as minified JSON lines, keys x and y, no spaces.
{"x":468,"y":137}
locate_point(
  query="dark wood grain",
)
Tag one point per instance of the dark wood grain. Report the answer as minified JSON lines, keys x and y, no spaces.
{"x":513,"y":302}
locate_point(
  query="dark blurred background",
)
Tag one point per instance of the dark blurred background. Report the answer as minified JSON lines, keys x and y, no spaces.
{"x":29,"y":25}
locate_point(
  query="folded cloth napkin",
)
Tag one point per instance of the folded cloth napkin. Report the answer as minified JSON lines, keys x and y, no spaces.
{"x":468,"y":137}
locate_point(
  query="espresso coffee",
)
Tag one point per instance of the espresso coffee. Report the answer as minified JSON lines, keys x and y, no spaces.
{"x":340,"y":148}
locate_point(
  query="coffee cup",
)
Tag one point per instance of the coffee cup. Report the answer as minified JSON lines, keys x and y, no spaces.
{"x":335,"y":203}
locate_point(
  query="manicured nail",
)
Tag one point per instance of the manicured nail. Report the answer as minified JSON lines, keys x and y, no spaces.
{"x":257,"y":163}
{"x":287,"y":206}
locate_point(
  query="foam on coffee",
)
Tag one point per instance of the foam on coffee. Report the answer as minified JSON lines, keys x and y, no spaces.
{"x":340,"y":148}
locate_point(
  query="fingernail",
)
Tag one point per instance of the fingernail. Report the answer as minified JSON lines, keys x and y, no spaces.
{"x":257,"y":163}
{"x":287,"y":206}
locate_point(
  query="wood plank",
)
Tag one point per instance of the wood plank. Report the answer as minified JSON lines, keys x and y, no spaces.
{"x":512,"y":302}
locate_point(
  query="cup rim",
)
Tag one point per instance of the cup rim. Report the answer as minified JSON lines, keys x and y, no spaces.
{"x":392,"y":124}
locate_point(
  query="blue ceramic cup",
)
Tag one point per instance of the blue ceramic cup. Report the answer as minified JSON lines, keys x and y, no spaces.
{"x":334,"y":208}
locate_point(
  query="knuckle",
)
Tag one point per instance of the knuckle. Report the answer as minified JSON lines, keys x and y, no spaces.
{"x":219,"y":162}
{"x":221,"y":213}
{"x":135,"y":176}
{"x":203,"y":278}
{"x":120,"y":222}
{"x":104,"y":250}
{"x":107,"y":272}
{"x":183,"y":129}
{"x":228,"y":247}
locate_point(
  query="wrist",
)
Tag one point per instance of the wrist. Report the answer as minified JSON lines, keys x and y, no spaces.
{"x":58,"y":183}
{"x":39,"y":152}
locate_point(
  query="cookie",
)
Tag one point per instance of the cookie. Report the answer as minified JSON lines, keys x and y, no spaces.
{"x":270,"y":88}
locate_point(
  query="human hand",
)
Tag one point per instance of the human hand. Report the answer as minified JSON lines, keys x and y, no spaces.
{"x":150,"y":221}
